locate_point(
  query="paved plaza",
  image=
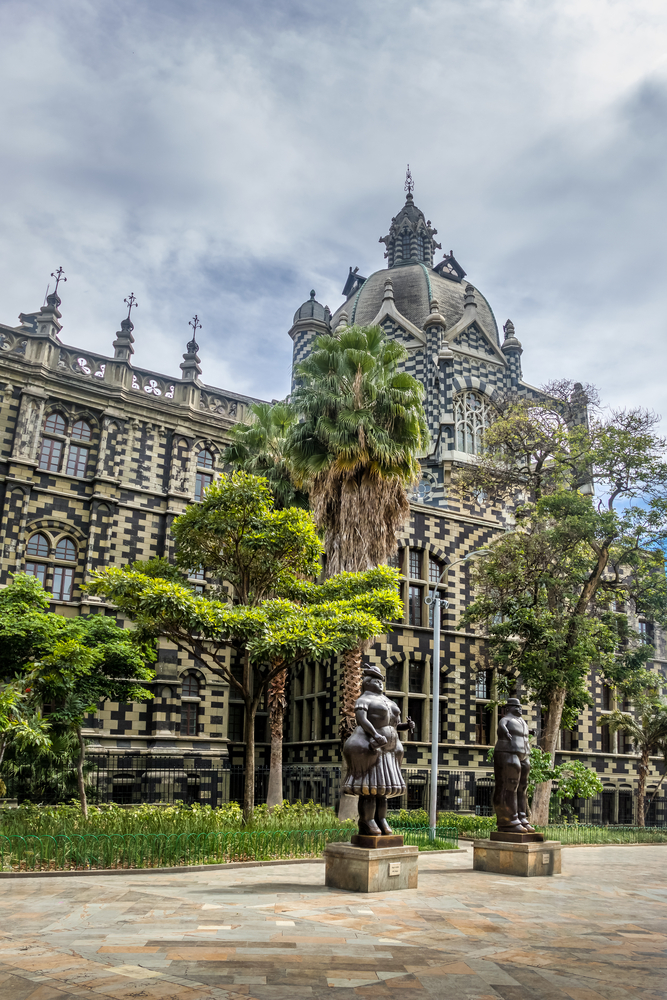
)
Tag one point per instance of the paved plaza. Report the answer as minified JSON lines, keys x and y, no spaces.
{"x":599,"y":930}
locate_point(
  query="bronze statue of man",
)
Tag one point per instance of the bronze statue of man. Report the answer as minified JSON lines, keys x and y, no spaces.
{"x":511,"y":763}
{"x":373,"y":754}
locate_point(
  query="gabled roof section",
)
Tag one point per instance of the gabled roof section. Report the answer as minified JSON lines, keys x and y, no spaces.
{"x":450,"y":268}
{"x":469,"y":336}
{"x":353,"y":283}
{"x":389,"y":311}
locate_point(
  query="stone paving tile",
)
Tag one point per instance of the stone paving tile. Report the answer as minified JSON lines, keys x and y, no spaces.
{"x":598,"y":932}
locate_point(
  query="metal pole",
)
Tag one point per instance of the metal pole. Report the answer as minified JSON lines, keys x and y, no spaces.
{"x":435,"y":717}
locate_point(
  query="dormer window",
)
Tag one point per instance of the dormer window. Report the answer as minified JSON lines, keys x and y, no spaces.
{"x":472,"y":415}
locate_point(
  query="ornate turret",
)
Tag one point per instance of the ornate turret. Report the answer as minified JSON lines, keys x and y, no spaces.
{"x":512,"y":349}
{"x":46,"y":322}
{"x":122,"y":345}
{"x":310,"y":320}
{"x":191,"y":367}
{"x":410,"y":238}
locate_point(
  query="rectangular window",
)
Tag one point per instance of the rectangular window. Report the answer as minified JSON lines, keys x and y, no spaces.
{"x":483,"y":726}
{"x":415,"y":606}
{"x":606,"y":697}
{"x":605,"y":739}
{"x":568,"y":740}
{"x":415,"y":568}
{"x":434,"y":571}
{"x":63,"y":577}
{"x":624,"y":742}
{"x":235,"y":723}
{"x":202,"y":482}
{"x":49,"y":456}
{"x":395,"y":677}
{"x":395,"y":560}
{"x":483,"y":684}
{"x":77,"y":460}
{"x":260,"y":729}
{"x":189,"y":718}
{"x":416,"y":677}
{"x":415,"y":711}
{"x":444,"y":722}
{"x":38,"y":570}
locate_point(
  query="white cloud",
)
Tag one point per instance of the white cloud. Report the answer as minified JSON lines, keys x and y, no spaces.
{"x":225,"y":158}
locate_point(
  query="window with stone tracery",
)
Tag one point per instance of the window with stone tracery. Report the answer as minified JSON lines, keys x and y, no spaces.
{"x":472,"y":414}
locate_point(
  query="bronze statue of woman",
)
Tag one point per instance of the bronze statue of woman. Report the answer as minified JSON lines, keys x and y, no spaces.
{"x":373,"y":754}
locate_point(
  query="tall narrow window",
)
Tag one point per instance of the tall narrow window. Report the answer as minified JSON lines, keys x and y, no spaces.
{"x":420,"y":246}
{"x":189,"y":709}
{"x":394,"y":679}
{"x":415,"y":564}
{"x":407,"y":249}
{"x":203,"y":479}
{"x":415,"y":606}
{"x":471,"y":415}
{"x":77,"y":460}
{"x":415,"y":677}
{"x":434,"y":570}
{"x":38,"y":570}
{"x":482,"y":725}
{"x":50,"y":454}
{"x":63,"y":578}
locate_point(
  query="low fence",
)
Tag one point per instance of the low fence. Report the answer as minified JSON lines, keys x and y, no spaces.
{"x":82,"y":852}
{"x":133,"y":778}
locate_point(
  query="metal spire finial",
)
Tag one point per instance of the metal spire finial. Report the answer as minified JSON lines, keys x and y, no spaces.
{"x":130,"y":301}
{"x":59,"y":275}
{"x":409,"y":183}
{"x":193,"y":346}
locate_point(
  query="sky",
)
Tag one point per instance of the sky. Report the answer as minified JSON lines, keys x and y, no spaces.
{"x":223,"y":158}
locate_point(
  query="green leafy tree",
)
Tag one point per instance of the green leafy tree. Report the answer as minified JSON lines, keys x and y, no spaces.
{"x":20,"y":721}
{"x":70,"y":663}
{"x":548,"y":591}
{"x":260,"y":448}
{"x":648,"y":732}
{"x":271,"y":617}
{"x":356,"y":446}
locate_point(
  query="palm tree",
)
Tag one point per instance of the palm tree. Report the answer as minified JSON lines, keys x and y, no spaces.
{"x":648,"y":733}
{"x":259,"y":447}
{"x":361,"y":428}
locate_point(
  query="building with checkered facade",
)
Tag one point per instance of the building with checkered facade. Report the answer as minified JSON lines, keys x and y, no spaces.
{"x":99,"y":456}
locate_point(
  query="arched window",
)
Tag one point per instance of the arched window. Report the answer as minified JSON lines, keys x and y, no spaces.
{"x":472,"y":414}
{"x":66,"y":549}
{"x":82,"y":431}
{"x":38,"y":546}
{"x":54,"y":424}
{"x":203,"y":479}
{"x":190,"y":700}
{"x":51,"y":572}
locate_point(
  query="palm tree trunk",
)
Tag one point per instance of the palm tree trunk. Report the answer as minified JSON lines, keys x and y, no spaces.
{"x":277,"y":703}
{"x":79,"y":772}
{"x":539,"y":810}
{"x":641,"y":787}
{"x":350,"y":691}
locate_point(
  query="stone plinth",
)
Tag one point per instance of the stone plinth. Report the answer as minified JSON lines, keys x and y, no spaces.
{"x":362,"y":869}
{"x":505,"y":858}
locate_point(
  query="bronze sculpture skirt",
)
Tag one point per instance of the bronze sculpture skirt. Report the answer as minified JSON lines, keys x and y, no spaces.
{"x":374,"y":772}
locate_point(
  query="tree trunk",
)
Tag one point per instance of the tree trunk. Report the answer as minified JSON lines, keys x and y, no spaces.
{"x":641,"y":787}
{"x":539,"y":810}
{"x":249,"y":734}
{"x":79,"y":772}
{"x":276,"y":701}
{"x":350,"y":691}
{"x":3,"y":747}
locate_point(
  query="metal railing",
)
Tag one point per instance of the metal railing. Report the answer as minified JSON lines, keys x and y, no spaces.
{"x":82,"y":852}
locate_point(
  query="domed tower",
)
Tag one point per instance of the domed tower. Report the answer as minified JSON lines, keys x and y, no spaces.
{"x":448,"y":329}
{"x":310,"y":320}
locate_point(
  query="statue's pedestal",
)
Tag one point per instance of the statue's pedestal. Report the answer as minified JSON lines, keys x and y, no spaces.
{"x":528,"y":858}
{"x":371,"y":869}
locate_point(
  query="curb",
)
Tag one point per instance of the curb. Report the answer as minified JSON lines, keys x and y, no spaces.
{"x":87,"y":872}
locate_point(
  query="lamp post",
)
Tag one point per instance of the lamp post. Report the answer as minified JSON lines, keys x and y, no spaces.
{"x":435,"y":601}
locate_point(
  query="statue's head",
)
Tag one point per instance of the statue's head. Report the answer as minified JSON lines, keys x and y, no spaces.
{"x":513,"y":706}
{"x":372,"y":679}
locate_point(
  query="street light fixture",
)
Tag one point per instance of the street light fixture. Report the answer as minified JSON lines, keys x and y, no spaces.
{"x":435,"y":601}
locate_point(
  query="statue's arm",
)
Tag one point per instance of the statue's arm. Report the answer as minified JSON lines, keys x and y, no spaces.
{"x":503,"y":731}
{"x":361,"y":715}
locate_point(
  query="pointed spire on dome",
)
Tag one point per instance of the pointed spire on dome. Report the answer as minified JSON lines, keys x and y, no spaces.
{"x":410,"y":239}
{"x":469,"y":301}
{"x":191,"y":368}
